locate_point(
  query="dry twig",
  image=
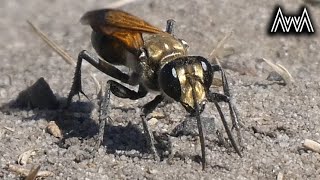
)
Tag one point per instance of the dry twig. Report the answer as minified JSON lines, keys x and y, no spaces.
{"x":97,"y":83}
{"x":220,"y":51}
{"x":65,"y":56}
{"x":8,"y":128}
{"x":282,"y":71}
{"x":24,"y":157}
{"x":25,"y":172}
{"x":53,"y":45}
{"x":120,"y":3}
{"x":33,"y":173}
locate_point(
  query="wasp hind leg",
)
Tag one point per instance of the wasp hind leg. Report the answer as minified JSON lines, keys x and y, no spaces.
{"x":100,"y":64}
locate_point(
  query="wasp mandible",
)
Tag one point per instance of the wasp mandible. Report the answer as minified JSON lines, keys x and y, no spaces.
{"x":159,"y":62}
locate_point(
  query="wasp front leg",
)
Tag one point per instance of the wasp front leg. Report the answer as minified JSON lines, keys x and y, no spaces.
{"x":226,"y":97}
{"x":216,"y":98}
{"x":226,"y":91}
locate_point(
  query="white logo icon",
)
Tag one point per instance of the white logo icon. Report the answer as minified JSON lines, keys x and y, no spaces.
{"x":286,"y":22}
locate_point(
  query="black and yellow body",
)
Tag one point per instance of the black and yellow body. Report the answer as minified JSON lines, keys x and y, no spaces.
{"x":158,"y":62}
{"x":163,"y":66}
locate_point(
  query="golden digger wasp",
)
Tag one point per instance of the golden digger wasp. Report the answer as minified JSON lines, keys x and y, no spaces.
{"x":159,"y":62}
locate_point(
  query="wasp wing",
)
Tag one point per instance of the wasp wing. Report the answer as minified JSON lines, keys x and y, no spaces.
{"x":120,"y":25}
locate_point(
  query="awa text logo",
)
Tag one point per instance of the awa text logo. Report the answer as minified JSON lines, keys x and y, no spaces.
{"x":299,"y":23}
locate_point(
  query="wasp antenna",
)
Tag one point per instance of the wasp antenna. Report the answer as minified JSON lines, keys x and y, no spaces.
{"x":203,"y":150}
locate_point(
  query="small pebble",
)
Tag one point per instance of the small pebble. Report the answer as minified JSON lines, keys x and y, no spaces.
{"x":54,"y":129}
{"x":152,"y":171}
{"x":158,"y":115}
{"x":312,"y":145}
{"x":152,"y":122}
{"x":280,"y":176}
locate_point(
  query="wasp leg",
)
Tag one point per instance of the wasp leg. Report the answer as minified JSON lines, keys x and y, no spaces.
{"x":99,"y":64}
{"x":147,"y":109}
{"x":123,"y":92}
{"x":170,"y":26}
{"x":216,"y":98}
{"x":119,"y":91}
{"x":104,"y":109}
{"x":233,"y":110}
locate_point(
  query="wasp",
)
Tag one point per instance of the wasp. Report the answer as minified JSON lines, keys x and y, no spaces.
{"x":159,"y":62}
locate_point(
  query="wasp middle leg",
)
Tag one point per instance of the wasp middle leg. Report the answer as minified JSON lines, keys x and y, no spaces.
{"x":117,"y":89}
{"x":104,"y":103}
{"x":170,"y":26}
{"x":123,"y":92}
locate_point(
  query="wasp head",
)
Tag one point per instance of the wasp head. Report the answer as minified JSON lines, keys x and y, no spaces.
{"x":187,"y":80}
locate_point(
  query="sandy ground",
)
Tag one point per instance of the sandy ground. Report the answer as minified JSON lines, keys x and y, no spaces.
{"x":276,"y":118}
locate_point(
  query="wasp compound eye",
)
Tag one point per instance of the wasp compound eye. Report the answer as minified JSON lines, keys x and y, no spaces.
{"x":207,"y":71}
{"x":169,"y":81}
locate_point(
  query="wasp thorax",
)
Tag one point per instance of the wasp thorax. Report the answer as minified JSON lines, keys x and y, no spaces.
{"x":186,"y":80}
{"x":161,"y":47}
